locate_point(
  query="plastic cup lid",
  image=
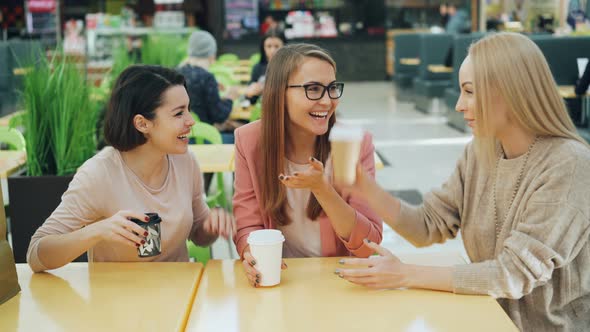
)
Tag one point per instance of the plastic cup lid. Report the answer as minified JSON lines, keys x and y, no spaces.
{"x":266,"y":237}
{"x":346,"y":132}
{"x":154,"y":219}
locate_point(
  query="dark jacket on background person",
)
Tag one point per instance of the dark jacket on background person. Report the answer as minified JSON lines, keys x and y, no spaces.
{"x":204,"y":95}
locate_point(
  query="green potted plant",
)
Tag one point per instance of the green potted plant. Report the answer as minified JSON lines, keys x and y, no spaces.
{"x":60,"y":132}
{"x":164,"y":50}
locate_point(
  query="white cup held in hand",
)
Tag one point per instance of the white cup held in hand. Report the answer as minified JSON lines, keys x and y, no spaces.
{"x":266,"y":246}
{"x":346,"y":148}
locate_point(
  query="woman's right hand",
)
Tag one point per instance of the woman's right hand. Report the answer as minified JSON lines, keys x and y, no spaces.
{"x":252,"y":273}
{"x":119,"y":228}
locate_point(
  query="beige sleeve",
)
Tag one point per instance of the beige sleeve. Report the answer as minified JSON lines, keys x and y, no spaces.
{"x":548,"y":238}
{"x":80,"y":206}
{"x":551,"y":232}
{"x":438,"y":218}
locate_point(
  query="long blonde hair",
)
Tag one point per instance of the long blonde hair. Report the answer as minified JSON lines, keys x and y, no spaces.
{"x":512,"y":66}
{"x":274,"y":133}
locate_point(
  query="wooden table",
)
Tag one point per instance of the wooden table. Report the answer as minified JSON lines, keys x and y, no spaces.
{"x":243,"y":78}
{"x":244,"y":62}
{"x":240,"y":113}
{"x":568,"y":91}
{"x":378,"y":162}
{"x":440,"y":69}
{"x":221,"y":157}
{"x":103,"y":297}
{"x":214,"y":157}
{"x":410,"y":61}
{"x":312,"y":298}
{"x":11,"y":161}
{"x":242,"y":70}
{"x":5,"y":120}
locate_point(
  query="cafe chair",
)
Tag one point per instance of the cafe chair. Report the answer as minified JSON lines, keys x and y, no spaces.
{"x":205,"y":133}
{"x":199,"y":254}
{"x":13,"y":138}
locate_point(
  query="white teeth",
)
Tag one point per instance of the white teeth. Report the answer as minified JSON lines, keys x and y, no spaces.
{"x":183,"y":136}
{"x":319,"y":114}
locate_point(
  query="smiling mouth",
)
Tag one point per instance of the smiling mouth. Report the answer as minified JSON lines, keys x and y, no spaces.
{"x":319,"y":115}
{"x":183,"y":137}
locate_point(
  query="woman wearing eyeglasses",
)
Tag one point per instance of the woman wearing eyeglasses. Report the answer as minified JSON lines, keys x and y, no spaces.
{"x":283,"y":169}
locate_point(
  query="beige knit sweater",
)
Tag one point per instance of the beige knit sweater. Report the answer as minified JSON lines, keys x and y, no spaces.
{"x":539,"y":268}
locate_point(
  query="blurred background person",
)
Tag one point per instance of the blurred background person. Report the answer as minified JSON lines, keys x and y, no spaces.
{"x":269,"y":45}
{"x":202,"y":86}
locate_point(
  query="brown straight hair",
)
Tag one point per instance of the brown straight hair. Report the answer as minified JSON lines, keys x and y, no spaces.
{"x":274,"y":133}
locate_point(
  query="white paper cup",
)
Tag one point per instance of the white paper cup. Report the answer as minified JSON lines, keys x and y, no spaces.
{"x":266,"y":246}
{"x":345,"y":141}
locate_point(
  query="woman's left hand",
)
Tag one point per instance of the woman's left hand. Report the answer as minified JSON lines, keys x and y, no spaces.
{"x":220,"y":222}
{"x":312,"y":178}
{"x":383,"y":272}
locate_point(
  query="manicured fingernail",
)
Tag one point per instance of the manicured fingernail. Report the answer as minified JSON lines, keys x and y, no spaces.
{"x":147,"y":218}
{"x":367,"y":241}
{"x":311,"y":158}
{"x":336,"y":271}
{"x":341,"y":261}
{"x":257,"y":280}
{"x":142,"y":241}
{"x":137,"y":245}
{"x":145,"y":233}
{"x":253,"y":263}
{"x":285,"y":264}
{"x":281,"y":177}
{"x":296,"y":173}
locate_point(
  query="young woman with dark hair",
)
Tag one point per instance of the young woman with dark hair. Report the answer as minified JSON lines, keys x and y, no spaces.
{"x":147,"y":169}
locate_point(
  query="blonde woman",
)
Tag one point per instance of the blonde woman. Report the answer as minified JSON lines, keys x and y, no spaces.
{"x":520,"y":194}
{"x":283,"y":169}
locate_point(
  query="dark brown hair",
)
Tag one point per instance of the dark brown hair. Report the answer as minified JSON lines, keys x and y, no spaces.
{"x":138,"y":90}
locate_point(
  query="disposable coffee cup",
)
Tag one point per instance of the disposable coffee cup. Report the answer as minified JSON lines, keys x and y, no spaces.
{"x":345,"y":141}
{"x":266,"y":246}
{"x":153,"y":242}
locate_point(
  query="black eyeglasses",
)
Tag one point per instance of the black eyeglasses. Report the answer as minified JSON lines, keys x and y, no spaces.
{"x":316,"y":91}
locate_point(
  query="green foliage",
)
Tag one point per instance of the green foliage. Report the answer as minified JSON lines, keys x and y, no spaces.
{"x":164,"y":50}
{"x":59,"y":120}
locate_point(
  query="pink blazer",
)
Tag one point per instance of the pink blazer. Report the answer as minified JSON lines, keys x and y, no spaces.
{"x":247,"y":204}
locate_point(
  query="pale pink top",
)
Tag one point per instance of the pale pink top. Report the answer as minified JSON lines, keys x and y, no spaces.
{"x":302,"y":235}
{"x":104,"y":185}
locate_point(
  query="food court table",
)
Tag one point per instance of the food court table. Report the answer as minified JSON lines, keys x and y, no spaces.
{"x":214,"y":157}
{"x":103,"y":297}
{"x":11,"y":161}
{"x":221,"y":158}
{"x":312,"y":298}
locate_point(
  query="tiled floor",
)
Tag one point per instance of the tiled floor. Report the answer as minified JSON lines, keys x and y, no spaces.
{"x":421,"y":149}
